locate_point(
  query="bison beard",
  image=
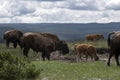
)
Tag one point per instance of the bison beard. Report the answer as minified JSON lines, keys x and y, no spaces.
{"x":42,"y":43}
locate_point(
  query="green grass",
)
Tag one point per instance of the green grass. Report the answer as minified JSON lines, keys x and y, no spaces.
{"x":18,"y":51}
{"x":57,"y":70}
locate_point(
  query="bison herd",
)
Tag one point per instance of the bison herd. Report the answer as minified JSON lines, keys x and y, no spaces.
{"x":47,"y":43}
{"x":38,"y":42}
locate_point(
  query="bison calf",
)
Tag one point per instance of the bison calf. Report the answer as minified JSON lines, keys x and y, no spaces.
{"x":87,"y":50}
{"x":94,"y":37}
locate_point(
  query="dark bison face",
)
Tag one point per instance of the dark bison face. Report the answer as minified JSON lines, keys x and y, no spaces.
{"x":96,"y":58}
{"x":63,"y":47}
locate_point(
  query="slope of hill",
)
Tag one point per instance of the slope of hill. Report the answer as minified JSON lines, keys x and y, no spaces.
{"x":66,"y":31}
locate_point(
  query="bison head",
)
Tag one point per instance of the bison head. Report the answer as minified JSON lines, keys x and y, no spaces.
{"x":96,"y":58}
{"x":101,"y":36}
{"x":63,"y":47}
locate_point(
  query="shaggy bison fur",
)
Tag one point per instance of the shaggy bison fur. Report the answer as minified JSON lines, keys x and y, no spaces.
{"x":43,"y":42}
{"x":114,"y":45}
{"x":87,"y":50}
{"x":13,"y":36}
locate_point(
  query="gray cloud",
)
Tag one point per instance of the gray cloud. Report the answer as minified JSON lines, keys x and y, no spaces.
{"x":59,"y":11}
{"x":113,"y":7}
{"x":20,"y":8}
{"x":47,"y":0}
{"x":24,"y":10}
{"x":83,"y":5}
{"x":105,"y":15}
{"x":91,"y":5}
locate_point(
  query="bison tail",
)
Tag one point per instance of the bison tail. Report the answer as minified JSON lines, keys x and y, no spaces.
{"x":109,"y":37}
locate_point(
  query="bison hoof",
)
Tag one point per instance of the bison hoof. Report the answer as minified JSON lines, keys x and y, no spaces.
{"x":118,"y":64}
{"x":108,"y":64}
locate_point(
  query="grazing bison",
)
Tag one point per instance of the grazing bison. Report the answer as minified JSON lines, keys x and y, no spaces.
{"x":94,"y":37}
{"x":42,"y":42}
{"x":48,"y":35}
{"x":114,"y":45}
{"x":87,"y":50}
{"x":13,"y":36}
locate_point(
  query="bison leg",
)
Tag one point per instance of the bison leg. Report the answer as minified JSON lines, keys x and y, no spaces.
{"x":7,"y":44}
{"x":48,"y":56}
{"x":79,"y":57}
{"x":43,"y":56}
{"x":15,"y":44}
{"x":110,"y":56}
{"x":21,"y":45}
{"x":116,"y":58}
{"x":25,"y":51}
{"x":86,"y":56}
{"x":91,"y":57}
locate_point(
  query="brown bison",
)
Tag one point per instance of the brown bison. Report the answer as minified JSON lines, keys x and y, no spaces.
{"x":114,"y":45}
{"x":87,"y":50}
{"x":94,"y":37}
{"x":43,"y":42}
{"x":13,"y":36}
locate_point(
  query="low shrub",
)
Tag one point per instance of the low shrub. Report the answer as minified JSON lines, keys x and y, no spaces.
{"x":16,"y":68}
{"x":32,"y":72}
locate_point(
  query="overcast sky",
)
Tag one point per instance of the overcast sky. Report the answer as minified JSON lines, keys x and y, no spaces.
{"x":61,"y":11}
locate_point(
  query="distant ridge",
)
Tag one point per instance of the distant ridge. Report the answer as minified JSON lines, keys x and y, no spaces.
{"x":66,"y":31}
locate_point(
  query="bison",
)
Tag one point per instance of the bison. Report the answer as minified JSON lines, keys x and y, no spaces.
{"x":87,"y":50}
{"x":13,"y":36}
{"x":114,"y":45}
{"x":43,"y":42}
{"x":94,"y":37}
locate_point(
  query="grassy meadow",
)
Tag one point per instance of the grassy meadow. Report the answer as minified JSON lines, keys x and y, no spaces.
{"x":56,"y":70}
{"x":63,"y":70}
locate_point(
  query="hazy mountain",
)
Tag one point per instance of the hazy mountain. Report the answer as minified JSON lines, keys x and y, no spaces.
{"x":66,"y":31}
